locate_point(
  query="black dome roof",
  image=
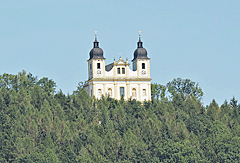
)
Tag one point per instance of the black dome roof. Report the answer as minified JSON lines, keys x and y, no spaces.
{"x":140,"y":52}
{"x":96,"y":52}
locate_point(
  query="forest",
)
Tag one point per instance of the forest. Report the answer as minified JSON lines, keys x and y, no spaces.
{"x":40,"y":124}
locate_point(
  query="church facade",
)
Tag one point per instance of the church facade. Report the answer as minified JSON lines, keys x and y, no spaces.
{"x":117,"y":79}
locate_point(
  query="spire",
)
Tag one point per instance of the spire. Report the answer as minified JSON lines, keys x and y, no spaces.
{"x":96,"y":52}
{"x":139,"y":43}
{"x":95,"y":43}
{"x":140,"y":52}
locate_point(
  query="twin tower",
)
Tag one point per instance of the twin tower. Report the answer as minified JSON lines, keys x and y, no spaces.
{"x":116,"y":79}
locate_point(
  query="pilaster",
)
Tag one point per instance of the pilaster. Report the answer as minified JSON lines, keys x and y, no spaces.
{"x":104,"y":90}
{"x":128,"y":91}
{"x":149,"y":91}
{"x":139,"y":92}
{"x":115,"y":90}
{"x":94,"y":89}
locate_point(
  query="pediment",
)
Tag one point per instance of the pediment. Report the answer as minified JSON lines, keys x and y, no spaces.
{"x":121,"y":62}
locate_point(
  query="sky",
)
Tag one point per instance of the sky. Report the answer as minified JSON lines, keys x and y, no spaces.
{"x":196,"y":40}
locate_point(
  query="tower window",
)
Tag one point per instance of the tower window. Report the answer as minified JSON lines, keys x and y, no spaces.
{"x":123,"y":70}
{"x":90,"y":66}
{"x":121,"y":91}
{"x":118,"y":70}
{"x":143,"y":65}
{"x":144,"y":92}
{"x":98,"y":66}
{"x":134,"y":66}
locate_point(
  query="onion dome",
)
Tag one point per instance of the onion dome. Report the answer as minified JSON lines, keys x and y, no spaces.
{"x":140,"y":52}
{"x":96,"y":52}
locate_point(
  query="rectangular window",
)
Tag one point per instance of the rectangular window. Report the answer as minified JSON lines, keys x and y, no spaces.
{"x":143,"y":65}
{"x":98,"y":66}
{"x":118,"y":70}
{"x":123,"y":70}
{"x":121,"y":91}
{"x":134,"y":66}
{"x":90,"y":66}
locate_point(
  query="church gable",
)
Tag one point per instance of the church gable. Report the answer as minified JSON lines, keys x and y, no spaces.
{"x":121,"y":62}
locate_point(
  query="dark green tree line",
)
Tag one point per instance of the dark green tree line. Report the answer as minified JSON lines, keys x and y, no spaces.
{"x":39,"y":124}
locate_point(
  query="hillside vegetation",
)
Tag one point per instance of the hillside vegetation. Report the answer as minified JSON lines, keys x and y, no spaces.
{"x":41,"y":125}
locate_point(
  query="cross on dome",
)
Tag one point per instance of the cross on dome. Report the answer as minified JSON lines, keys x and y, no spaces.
{"x":139,"y":33}
{"x":95,"y":35}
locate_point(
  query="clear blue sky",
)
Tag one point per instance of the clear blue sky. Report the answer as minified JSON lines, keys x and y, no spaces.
{"x":198,"y":40}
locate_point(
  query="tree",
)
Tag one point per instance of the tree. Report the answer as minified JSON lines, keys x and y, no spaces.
{"x":185,"y":87}
{"x":158,"y":91}
{"x":47,"y":85}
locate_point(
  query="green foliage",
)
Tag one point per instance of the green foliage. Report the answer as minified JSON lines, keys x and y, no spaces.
{"x":158,"y":91}
{"x":185,"y":87}
{"x":41,"y":125}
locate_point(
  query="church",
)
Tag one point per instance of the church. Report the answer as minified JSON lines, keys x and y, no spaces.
{"x":117,"y":79}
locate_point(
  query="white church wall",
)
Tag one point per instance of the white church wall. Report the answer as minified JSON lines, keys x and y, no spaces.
{"x":132,"y":73}
{"x":144,"y":96}
{"x":109,"y":73}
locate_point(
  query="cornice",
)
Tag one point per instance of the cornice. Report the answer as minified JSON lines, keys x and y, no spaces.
{"x":96,"y":59}
{"x":119,"y":79}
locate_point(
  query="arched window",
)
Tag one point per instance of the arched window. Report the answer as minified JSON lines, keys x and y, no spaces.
{"x":99,"y":92}
{"x":90,"y":66}
{"x":134,"y":92}
{"x":110,"y":92}
{"x":143,"y":65}
{"x":144,"y":92}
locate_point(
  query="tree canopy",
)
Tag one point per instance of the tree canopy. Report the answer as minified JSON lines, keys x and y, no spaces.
{"x":39,"y":124}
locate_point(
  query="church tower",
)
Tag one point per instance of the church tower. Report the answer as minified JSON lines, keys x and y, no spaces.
{"x":116,"y":80}
{"x":141,"y":63}
{"x":96,"y":62}
{"x":96,"y":65}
